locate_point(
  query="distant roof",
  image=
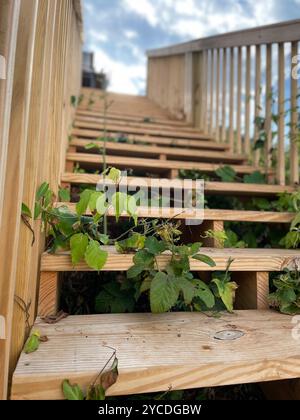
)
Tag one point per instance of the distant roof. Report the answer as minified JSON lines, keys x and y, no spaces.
{"x":88,"y":62}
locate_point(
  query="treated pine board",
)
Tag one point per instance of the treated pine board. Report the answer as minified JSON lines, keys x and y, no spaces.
{"x":159,"y":352}
{"x":244,"y":260}
{"x":208,"y":214}
{"x":205,"y":143}
{"x":162,"y":132}
{"x":154,"y":151}
{"x":139,"y":119}
{"x":137,"y":124}
{"x":153,"y":164}
{"x":48,"y":294}
{"x":221,"y":188}
{"x":253,"y":290}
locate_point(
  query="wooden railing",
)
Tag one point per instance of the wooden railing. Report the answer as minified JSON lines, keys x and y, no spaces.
{"x":40,"y":43}
{"x":238,"y":88}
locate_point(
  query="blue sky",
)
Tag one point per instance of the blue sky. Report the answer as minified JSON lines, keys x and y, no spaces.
{"x":120,"y":31}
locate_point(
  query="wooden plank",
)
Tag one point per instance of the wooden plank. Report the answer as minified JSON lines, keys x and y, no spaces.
{"x":244,"y":260}
{"x":217,"y":94}
{"x":205,"y":143}
{"x":159,"y":352}
{"x":14,"y":172}
{"x":153,"y":164}
{"x":253,"y":290}
{"x":189,"y":88}
{"x":239,"y":101}
{"x":48,"y":294}
{"x":211,"y":90}
{"x":279,"y":32}
{"x":224,"y":188}
{"x":269,"y":99}
{"x":281,"y":117}
{"x":136,"y":130}
{"x":248,"y":101}
{"x":294,"y":146}
{"x":208,"y":214}
{"x":257,"y":112}
{"x":224,"y":94}
{"x":231,"y":99}
{"x":155,"y":151}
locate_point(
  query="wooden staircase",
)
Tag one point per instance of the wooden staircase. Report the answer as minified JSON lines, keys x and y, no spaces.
{"x":173,"y":350}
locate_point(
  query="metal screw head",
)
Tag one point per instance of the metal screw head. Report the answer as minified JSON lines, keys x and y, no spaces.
{"x":229,"y":335}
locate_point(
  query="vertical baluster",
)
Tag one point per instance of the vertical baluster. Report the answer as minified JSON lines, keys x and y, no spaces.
{"x":257,"y":98}
{"x":217,"y":123}
{"x":204,"y":116}
{"x":212,"y":77}
{"x":248,"y":101}
{"x":239,"y":97}
{"x":281,"y":110}
{"x":231,"y":100}
{"x":294,"y":154}
{"x":268,"y":122}
{"x":224,"y":94}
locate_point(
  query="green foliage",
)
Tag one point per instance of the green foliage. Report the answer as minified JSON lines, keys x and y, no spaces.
{"x":219,"y":236}
{"x":64,"y":195}
{"x":286,"y":298}
{"x":33,"y":343}
{"x":225,"y":288}
{"x":255,"y":178}
{"x":72,"y":392}
{"x":26,"y":211}
{"x":226,"y":174}
{"x":115,"y":298}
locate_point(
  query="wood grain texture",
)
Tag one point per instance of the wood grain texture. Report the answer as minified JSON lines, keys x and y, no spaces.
{"x":48,"y":294}
{"x":208,"y":214}
{"x":156,"y":352}
{"x":253,"y":290}
{"x":153,"y":164}
{"x":244,"y":260}
{"x":226,"y":188}
{"x":154,"y":151}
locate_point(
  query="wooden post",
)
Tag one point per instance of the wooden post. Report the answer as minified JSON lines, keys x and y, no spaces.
{"x":189,"y":88}
{"x":268,"y":146}
{"x":281,"y":123}
{"x":294,"y":145}
{"x":257,"y":99}
{"x":231,"y":101}
{"x":253,"y":290}
{"x":247,"y":149}
{"x":224,"y":94}
{"x":48,"y":294}
{"x":239,"y":101}
{"x":217,"y":93}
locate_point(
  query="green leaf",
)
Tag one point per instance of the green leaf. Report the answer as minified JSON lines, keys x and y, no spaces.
{"x":205,"y":259}
{"x":133,"y":243}
{"x":187,"y":288}
{"x":72,"y":392}
{"x":82,"y":206}
{"x":154,"y":246}
{"x":37,"y":210}
{"x":33,"y":343}
{"x":131,"y":207}
{"x":255,"y":178}
{"x":104,"y":239}
{"x":78,"y":245}
{"x":94,"y":199}
{"x":114,"y":300}
{"x":226,"y":173}
{"x":114,"y":175}
{"x":42,"y":191}
{"x":91,"y":146}
{"x":203,"y":292}
{"x":101,"y":204}
{"x":64,"y":195}
{"x":95,"y":257}
{"x":163,"y":293}
{"x":227,"y":292}
{"x":119,"y":202}
{"x":26,"y":211}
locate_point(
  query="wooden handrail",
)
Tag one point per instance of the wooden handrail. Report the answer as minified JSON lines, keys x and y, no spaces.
{"x":225,"y":85}
{"x":269,"y":34}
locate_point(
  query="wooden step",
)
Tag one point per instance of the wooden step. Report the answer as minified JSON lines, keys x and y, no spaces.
{"x":208,"y":214}
{"x":159,"y":352}
{"x":206,"y":143}
{"x":220,"y":188}
{"x":117,"y":116}
{"x":153,"y":165}
{"x":100,"y":120}
{"x":264,"y":260}
{"x":126,"y":128}
{"x":159,"y":151}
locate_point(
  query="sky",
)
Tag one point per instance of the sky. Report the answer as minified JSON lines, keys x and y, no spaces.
{"x":120,"y":31}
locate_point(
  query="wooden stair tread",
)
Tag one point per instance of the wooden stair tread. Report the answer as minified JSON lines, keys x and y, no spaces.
{"x":205,"y":143}
{"x":208,"y":214}
{"x":99,"y":121}
{"x":224,"y":188}
{"x":244,"y":260}
{"x":126,"y":128}
{"x":121,"y":117}
{"x":154,"y":151}
{"x":156,"y":352}
{"x":155,"y":165}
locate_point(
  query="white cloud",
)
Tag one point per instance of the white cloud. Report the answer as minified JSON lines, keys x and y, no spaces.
{"x":130,"y":34}
{"x":98,"y":36}
{"x":143,"y":8}
{"x":124,"y":78}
